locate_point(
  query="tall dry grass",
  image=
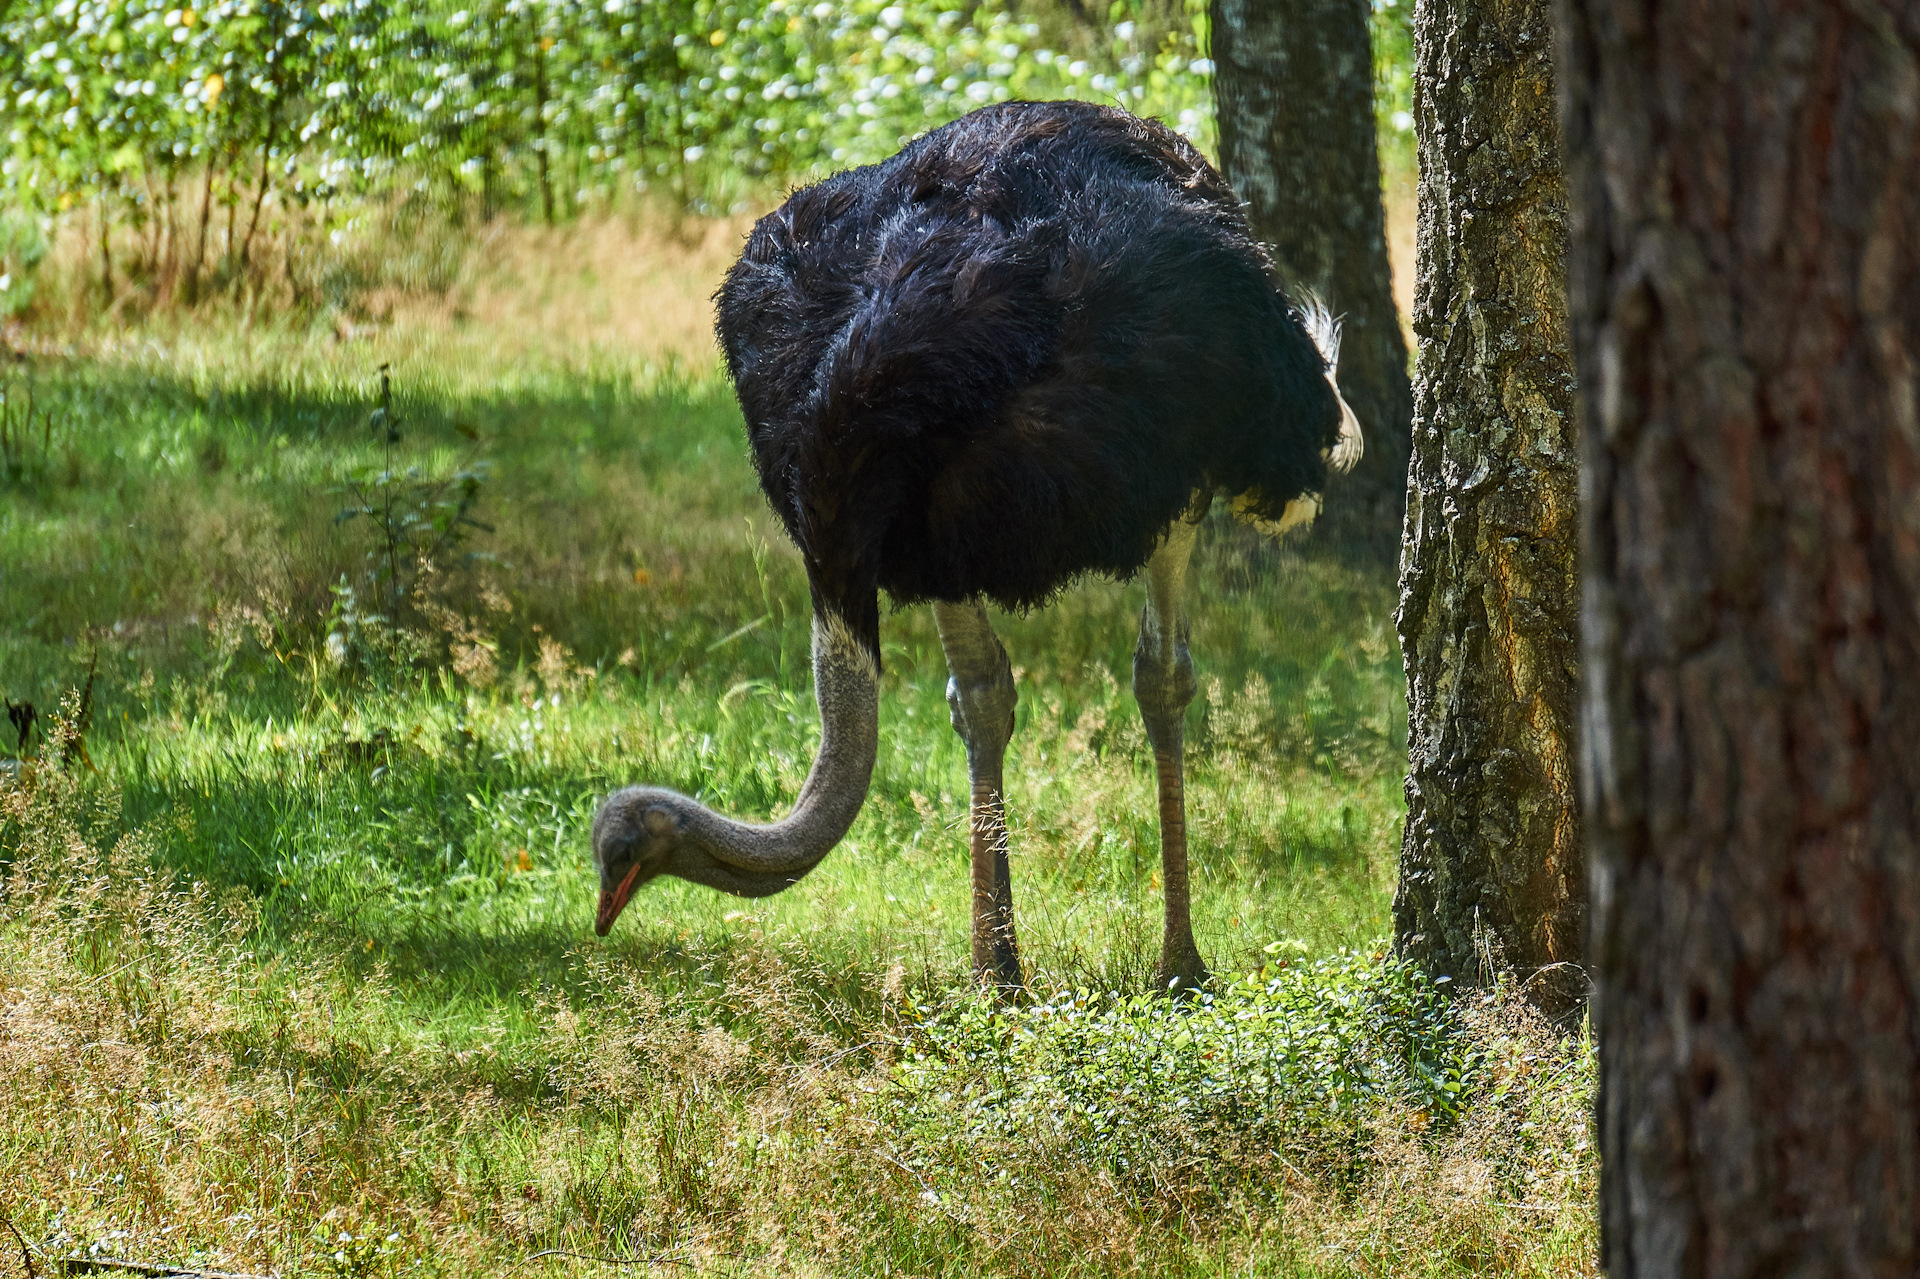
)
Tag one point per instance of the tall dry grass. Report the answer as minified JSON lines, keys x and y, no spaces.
{"x":609,"y":285}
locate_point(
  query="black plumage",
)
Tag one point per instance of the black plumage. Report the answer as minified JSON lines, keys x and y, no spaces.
{"x":1011,"y":355}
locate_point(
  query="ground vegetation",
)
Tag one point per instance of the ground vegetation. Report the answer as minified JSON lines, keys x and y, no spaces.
{"x":299,"y":973}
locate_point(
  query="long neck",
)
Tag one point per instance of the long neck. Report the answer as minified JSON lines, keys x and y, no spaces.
{"x":755,"y":860}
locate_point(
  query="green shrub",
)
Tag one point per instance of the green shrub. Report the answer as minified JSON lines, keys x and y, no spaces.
{"x":1301,"y":1057}
{"x":551,"y":104}
{"x":23,"y":246}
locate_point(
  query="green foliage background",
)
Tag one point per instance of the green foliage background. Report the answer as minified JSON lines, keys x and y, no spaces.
{"x":152,"y":114}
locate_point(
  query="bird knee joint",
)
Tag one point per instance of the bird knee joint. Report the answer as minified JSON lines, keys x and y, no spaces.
{"x":983,"y":708}
{"x":1164,"y":688}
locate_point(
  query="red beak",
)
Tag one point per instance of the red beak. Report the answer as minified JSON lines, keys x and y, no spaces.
{"x":611,"y":904}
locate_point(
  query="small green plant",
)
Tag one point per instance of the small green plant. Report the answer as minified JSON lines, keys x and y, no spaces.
{"x":415,"y":523}
{"x":350,"y":1255}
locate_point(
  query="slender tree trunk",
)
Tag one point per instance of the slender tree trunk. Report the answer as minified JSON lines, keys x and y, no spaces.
{"x":1746,"y":273}
{"x":1294,"y":84}
{"x":106,"y":253}
{"x":200,"y":246}
{"x":540,"y":116}
{"x":170,"y":263}
{"x":266,"y":159}
{"x":1492,"y":866}
{"x":259,"y":198}
{"x":230,"y":196}
{"x":153,"y":221}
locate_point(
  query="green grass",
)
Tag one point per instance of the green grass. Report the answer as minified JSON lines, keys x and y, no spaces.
{"x":310,"y":953}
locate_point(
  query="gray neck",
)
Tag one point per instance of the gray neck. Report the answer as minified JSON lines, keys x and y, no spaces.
{"x":758,"y":860}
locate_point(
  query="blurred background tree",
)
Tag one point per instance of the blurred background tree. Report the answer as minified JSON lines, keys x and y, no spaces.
{"x":1298,"y":128}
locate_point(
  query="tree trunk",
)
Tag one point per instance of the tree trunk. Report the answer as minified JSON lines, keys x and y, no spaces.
{"x":200,"y":246}
{"x":273,"y":104}
{"x":1293,"y":81}
{"x":106,"y":252}
{"x":168,"y":276}
{"x":1491,"y":869}
{"x":1746,"y":276}
{"x":540,"y":125}
{"x":259,"y":198}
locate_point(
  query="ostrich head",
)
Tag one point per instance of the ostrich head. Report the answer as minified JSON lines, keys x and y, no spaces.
{"x":635,"y":835}
{"x":646,"y":831}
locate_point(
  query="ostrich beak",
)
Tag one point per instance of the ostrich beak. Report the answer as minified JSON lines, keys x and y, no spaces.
{"x":612,"y":903}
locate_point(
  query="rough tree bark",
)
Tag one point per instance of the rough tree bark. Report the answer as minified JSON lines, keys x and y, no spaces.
{"x":1746,"y":273}
{"x":1489,"y":596}
{"x":1293,"y":81}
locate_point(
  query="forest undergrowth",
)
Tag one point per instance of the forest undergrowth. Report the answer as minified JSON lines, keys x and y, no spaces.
{"x":298,"y":973}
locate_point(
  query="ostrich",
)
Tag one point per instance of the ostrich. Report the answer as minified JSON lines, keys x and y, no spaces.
{"x":1031,"y":346}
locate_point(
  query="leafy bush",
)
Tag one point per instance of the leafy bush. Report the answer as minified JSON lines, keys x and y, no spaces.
{"x":1301,"y":1057}
{"x":23,"y":244}
{"x":414,"y":524}
{"x":550,"y":98}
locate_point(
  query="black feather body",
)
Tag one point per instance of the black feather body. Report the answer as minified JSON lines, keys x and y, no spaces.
{"x":1011,"y":355}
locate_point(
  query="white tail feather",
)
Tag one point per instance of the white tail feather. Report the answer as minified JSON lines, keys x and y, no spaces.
{"x":1323,"y":326}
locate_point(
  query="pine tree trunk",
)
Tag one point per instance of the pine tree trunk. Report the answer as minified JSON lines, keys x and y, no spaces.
{"x":1293,"y":80}
{"x":1746,"y":274}
{"x":1492,"y":865}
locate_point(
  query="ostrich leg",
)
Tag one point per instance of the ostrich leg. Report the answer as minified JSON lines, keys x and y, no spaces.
{"x":982,"y":696}
{"x":1163,"y":684}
